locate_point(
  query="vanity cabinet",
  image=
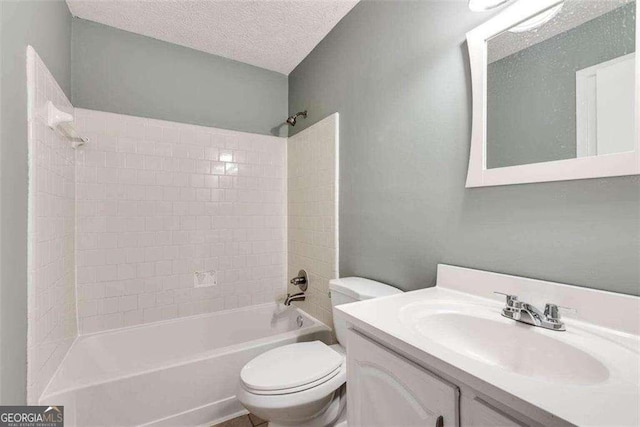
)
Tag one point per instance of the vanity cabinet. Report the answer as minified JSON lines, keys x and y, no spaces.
{"x":386,"y":389}
{"x":447,"y":351}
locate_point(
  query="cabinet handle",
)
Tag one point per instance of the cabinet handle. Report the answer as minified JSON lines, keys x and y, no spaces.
{"x":440,"y":421}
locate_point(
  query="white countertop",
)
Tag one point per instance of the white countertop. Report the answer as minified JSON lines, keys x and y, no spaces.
{"x":608,"y":398}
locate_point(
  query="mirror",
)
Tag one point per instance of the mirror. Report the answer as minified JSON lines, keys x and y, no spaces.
{"x":558,"y":83}
{"x":564,"y":89}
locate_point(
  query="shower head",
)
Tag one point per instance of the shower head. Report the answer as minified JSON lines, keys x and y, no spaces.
{"x":292,"y":120}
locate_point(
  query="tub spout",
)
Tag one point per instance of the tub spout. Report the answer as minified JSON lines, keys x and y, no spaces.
{"x":295,"y":297}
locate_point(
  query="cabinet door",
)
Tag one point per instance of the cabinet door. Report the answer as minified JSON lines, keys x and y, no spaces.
{"x":386,"y":390}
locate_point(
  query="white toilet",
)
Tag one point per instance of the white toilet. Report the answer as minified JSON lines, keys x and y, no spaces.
{"x":303,"y":384}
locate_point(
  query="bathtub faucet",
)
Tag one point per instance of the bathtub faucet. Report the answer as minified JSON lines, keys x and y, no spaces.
{"x":300,"y":281}
{"x":295,"y":297}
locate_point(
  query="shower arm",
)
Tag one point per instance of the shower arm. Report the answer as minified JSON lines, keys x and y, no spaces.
{"x":292,"y":119}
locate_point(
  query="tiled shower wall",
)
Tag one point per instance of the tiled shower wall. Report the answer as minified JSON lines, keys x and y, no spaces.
{"x":312,"y":229}
{"x":51,"y":250}
{"x":158,"y":201}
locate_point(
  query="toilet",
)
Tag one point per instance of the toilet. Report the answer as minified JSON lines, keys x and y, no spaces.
{"x":304,"y":384}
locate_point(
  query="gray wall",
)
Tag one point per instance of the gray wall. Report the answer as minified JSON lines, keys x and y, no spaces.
{"x":46,"y":25}
{"x":398,"y":73}
{"x":531,"y":95}
{"x":122,"y":72}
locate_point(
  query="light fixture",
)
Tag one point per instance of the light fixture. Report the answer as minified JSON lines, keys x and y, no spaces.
{"x":538,"y":20}
{"x":482,"y":5}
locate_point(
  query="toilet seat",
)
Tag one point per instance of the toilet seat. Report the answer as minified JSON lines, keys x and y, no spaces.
{"x":291,"y":390}
{"x":291,"y":368}
{"x":303,"y":397}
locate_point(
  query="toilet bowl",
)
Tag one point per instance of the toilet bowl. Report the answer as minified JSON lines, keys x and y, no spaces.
{"x":298,"y":384}
{"x":304,"y":384}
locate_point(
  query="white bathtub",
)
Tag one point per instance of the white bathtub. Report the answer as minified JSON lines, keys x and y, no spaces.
{"x":182,"y":372}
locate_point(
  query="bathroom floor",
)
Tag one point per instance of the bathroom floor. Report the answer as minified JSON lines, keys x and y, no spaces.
{"x":244,"y":421}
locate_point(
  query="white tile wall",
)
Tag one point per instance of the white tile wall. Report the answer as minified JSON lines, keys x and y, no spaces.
{"x":158,"y":201}
{"x":312,"y":230}
{"x":52,"y":325}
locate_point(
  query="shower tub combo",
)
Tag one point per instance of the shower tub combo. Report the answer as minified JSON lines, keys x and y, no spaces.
{"x":178,"y":372}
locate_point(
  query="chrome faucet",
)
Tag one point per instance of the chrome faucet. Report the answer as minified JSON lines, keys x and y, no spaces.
{"x":295,"y":297}
{"x":527,"y":313}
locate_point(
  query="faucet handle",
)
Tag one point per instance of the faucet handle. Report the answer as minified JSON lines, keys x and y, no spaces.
{"x":300,"y":281}
{"x":552,"y":311}
{"x":512,"y":300}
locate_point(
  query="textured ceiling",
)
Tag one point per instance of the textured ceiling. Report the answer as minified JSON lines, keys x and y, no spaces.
{"x":272,"y":34}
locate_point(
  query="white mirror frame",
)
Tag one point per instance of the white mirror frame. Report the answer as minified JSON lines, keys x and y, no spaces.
{"x":618,"y":164}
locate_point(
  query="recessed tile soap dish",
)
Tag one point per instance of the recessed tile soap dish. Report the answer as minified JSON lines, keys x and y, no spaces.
{"x":63,"y":122}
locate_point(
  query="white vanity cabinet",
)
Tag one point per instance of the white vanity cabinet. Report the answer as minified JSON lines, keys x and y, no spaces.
{"x":448,"y":352}
{"x":387,"y":390}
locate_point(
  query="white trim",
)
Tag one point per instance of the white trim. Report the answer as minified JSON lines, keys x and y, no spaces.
{"x":478,"y":175}
{"x":31,"y":222}
{"x":586,"y":108}
{"x":285,"y":267}
{"x":586,"y":114}
{"x":336,"y":220}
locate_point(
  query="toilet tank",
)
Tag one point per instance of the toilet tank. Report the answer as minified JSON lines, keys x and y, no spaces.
{"x":352,"y":289}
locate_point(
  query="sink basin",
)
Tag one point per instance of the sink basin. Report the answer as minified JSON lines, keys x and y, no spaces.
{"x":486,"y":336}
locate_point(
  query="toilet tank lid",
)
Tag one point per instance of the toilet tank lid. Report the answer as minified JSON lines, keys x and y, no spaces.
{"x":361,"y":288}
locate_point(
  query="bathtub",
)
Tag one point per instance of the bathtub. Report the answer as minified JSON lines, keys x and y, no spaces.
{"x":182,"y":372}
